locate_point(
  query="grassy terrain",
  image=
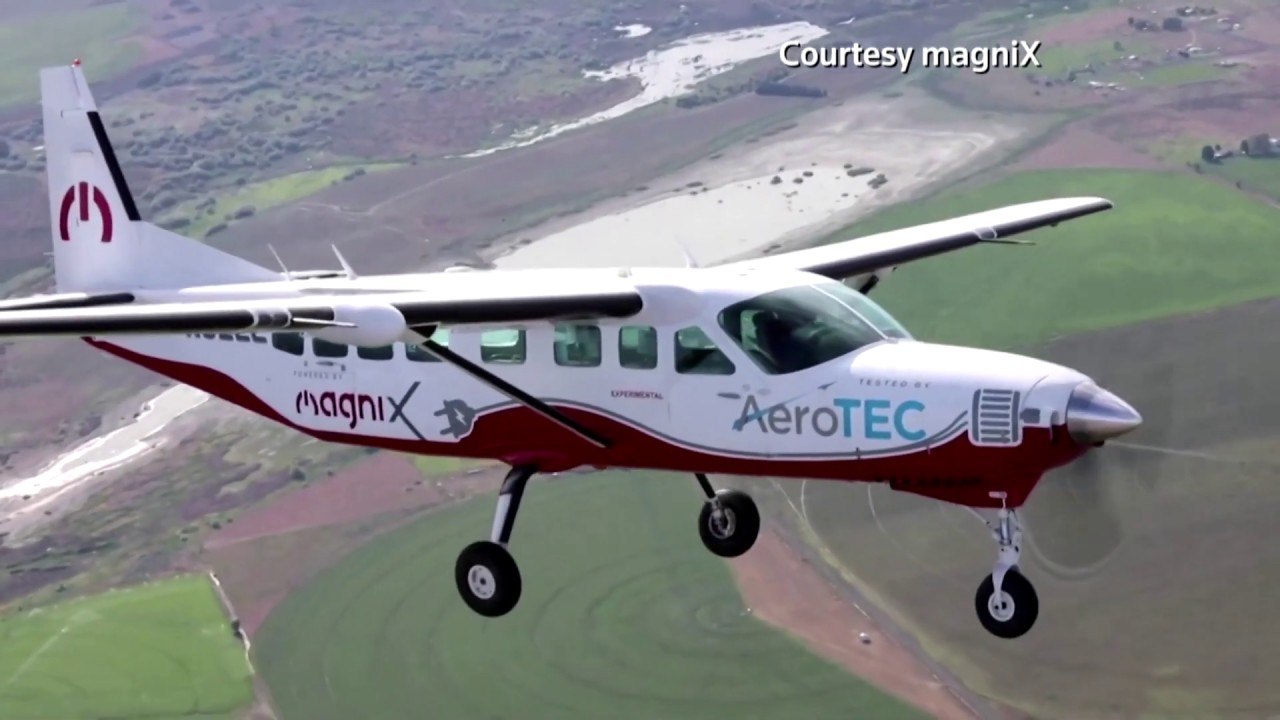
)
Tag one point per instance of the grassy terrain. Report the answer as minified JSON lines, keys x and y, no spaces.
{"x":1059,"y":60}
{"x":1174,"y":243}
{"x":158,"y":650}
{"x":1260,"y":175}
{"x":1043,"y":13}
{"x":264,"y":195}
{"x":624,"y":615}
{"x":97,"y":35}
{"x":1183,"y":73}
{"x":431,"y":466}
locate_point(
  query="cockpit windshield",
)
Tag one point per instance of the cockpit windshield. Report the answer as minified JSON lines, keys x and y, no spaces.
{"x":796,"y":328}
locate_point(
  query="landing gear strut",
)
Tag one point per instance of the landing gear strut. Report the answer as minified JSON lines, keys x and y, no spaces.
{"x":487,"y":576}
{"x":489,"y":579}
{"x":1006,"y":602}
{"x":729,"y":521}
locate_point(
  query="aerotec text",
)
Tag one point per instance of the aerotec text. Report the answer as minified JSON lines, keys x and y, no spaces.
{"x":980,"y":60}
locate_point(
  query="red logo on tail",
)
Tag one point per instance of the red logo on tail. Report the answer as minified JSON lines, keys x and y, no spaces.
{"x":99,"y":200}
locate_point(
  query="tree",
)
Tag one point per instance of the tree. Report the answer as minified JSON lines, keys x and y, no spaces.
{"x":1207,"y":154}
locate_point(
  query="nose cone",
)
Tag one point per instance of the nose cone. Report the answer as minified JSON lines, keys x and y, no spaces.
{"x":1095,"y":415}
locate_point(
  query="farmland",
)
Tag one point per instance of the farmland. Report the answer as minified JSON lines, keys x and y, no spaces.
{"x":163,"y":649}
{"x":623,"y":615}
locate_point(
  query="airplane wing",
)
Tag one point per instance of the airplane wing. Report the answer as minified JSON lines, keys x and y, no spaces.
{"x":886,"y":250}
{"x":451,"y":305}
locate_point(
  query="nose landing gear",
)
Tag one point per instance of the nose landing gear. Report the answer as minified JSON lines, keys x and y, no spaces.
{"x":1006,"y":602}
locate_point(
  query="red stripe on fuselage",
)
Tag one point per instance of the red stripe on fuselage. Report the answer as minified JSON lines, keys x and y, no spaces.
{"x":957,"y":471}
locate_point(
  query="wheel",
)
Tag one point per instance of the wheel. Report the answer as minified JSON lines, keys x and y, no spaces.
{"x":488,"y":578}
{"x":1013,"y":613}
{"x":733,"y":530}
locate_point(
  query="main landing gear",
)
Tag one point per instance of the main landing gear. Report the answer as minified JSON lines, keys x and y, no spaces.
{"x":489,"y":579}
{"x":729,"y":521}
{"x":1006,"y":602}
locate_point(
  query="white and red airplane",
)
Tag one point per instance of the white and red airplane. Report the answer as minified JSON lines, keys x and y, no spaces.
{"x":779,"y":366}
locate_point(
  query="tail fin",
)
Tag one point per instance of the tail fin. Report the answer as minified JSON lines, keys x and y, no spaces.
{"x":100,"y":243}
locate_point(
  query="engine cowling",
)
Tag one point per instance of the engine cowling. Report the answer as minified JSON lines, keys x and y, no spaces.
{"x":375,"y":325}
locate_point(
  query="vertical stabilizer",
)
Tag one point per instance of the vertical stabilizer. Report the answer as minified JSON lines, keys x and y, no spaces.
{"x":100,"y":242}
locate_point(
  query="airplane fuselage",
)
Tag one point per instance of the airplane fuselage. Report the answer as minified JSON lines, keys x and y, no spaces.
{"x":948,"y":422}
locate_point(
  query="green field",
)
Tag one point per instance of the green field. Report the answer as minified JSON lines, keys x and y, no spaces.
{"x":163,"y":650}
{"x":1256,"y":175}
{"x":1174,"y":243}
{"x":1183,"y":73}
{"x":266,"y":194}
{"x":96,"y":35}
{"x":624,"y":615}
{"x":1064,"y":58}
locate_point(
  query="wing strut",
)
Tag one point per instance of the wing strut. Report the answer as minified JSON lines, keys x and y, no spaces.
{"x":511,"y":391}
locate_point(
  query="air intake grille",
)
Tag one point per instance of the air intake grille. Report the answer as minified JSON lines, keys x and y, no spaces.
{"x":995,"y":418}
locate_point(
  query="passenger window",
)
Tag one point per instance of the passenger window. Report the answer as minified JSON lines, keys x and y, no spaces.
{"x":578,"y":345}
{"x":696,"y":354}
{"x":416,"y":353}
{"x":257,"y":338}
{"x":226,"y":336}
{"x":638,"y":347}
{"x":287,"y":342}
{"x":506,"y":346}
{"x":382,"y":352}
{"x":326,"y":349}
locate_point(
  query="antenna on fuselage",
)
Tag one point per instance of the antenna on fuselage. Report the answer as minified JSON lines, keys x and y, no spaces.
{"x":283,"y":268}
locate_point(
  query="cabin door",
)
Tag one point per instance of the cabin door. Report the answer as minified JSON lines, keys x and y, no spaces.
{"x":717,"y":397}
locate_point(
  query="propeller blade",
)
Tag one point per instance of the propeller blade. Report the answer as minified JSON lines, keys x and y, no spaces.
{"x":1074,"y":521}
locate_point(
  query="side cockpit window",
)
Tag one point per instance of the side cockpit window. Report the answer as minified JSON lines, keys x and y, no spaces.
{"x":697,"y":354}
{"x":797,"y":328}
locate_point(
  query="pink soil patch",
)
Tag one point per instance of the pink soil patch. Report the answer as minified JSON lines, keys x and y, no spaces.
{"x":1086,"y":28}
{"x":1080,"y":147}
{"x":383,"y":483}
{"x":1218,"y":117}
{"x":155,"y":50}
{"x":782,"y":589}
{"x":273,"y":549}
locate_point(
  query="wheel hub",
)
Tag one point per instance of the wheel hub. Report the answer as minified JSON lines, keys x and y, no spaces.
{"x":1000,"y":605}
{"x":480,"y":580}
{"x":721,"y":523}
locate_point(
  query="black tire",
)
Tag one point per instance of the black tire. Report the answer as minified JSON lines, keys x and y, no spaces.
{"x":1026,"y":606}
{"x":488,"y":578}
{"x":737,"y":532}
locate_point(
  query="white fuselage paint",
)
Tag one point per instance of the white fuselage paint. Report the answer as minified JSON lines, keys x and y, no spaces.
{"x":888,"y":398}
